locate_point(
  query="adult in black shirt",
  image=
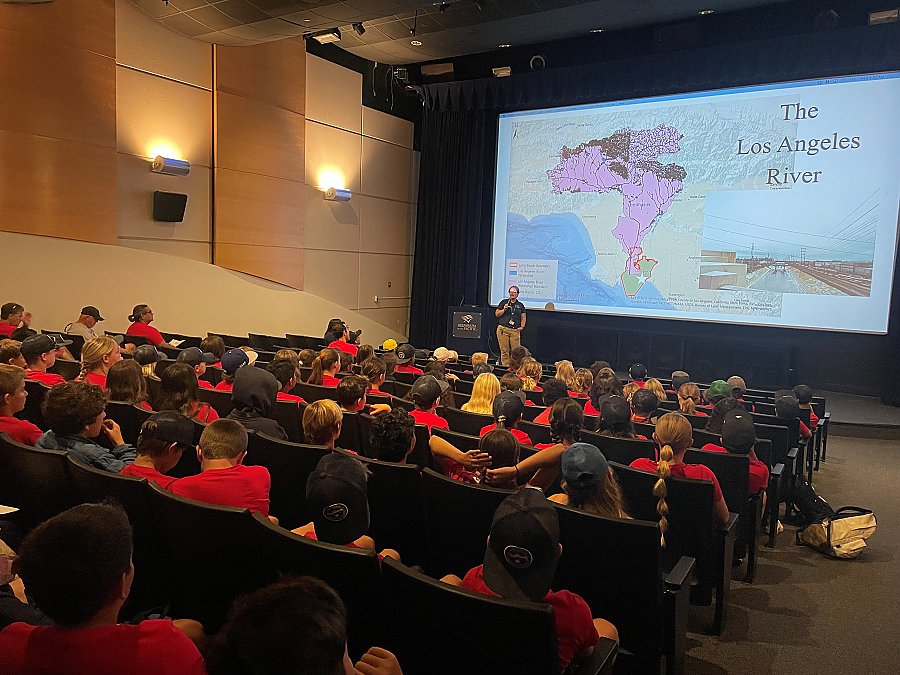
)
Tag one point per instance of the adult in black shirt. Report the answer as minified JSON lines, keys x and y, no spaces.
{"x":511,"y":320}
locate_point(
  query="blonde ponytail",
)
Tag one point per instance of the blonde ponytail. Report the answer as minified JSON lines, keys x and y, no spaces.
{"x":688,"y":397}
{"x":660,"y":490}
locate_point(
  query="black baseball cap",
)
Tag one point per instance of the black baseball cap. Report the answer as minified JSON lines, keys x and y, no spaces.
{"x":510,"y":404}
{"x":147,"y":354}
{"x":92,"y":311}
{"x":405,"y":353}
{"x":427,"y":389}
{"x":336,"y":497}
{"x":41,"y":343}
{"x":738,"y":434}
{"x":194,"y":356}
{"x":583,"y":465}
{"x":168,"y":426}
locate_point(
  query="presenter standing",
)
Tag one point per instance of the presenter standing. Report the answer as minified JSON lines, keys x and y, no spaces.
{"x":511,"y":315}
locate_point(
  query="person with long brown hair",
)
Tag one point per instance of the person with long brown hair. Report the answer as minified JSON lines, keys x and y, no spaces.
{"x":689,"y":399}
{"x":126,"y":383}
{"x":656,"y":387}
{"x":588,"y":483}
{"x":584,"y":380}
{"x":325,"y":367}
{"x":674,"y":436}
{"x":178,"y":391}
{"x":530,"y":374}
{"x":606,"y":384}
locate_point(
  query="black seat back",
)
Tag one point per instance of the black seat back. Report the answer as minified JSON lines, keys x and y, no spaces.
{"x":465,"y":422}
{"x":68,"y":369}
{"x":289,"y":465}
{"x":421,"y":455}
{"x":34,"y":480}
{"x":538,"y":433}
{"x":351,"y":437}
{"x":314,"y":392}
{"x":289,"y":415}
{"x":431,"y":625}
{"x":459,"y":519}
{"x":37,"y":392}
{"x":460,"y":441}
{"x":620,"y":450}
{"x":74,"y":348}
{"x":129,"y":417}
{"x":220,"y":401}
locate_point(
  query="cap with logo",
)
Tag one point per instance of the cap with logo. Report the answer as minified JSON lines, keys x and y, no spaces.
{"x":523,"y":549}
{"x":168,"y":426}
{"x":509,"y":404}
{"x":405,"y":353}
{"x":336,"y":499}
{"x":718,"y":389}
{"x":93,"y":312}
{"x":41,"y":343}
{"x":234,"y":359}
{"x":737,"y":382}
{"x":147,"y":354}
{"x":738,"y":433}
{"x":194,"y":356}
{"x":583,"y":465}
{"x":427,"y":389}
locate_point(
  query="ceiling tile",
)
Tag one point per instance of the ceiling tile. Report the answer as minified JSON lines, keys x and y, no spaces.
{"x":241,"y":10}
{"x":185,"y":24}
{"x":210,"y":16}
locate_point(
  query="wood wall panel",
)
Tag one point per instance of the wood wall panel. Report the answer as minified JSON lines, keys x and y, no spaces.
{"x":333,"y":275}
{"x":382,"y":126}
{"x":256,"y":137}
{"x":333,"y":150}
{"x":56,"y":91}
{"x":88,"y":25}
{"x":261,"y":210}
{"x":272,"y":72}
{"x":333,"y":95}
{"x":57,"y":188}
{"x":376,"y":271}
{"x":191,"y":250}
{"x":276,"y":263}
{"x":386,"y":170}
{"x":331,"y":226}
{"x":385,"y":225}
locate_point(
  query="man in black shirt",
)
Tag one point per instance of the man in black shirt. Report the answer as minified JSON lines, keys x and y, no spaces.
{"x":511,"y":320}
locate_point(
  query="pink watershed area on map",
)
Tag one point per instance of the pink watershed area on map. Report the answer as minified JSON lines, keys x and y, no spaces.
{"x":627,"y":162}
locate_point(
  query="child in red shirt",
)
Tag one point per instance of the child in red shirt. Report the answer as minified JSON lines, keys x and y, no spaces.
{"x":223,"y":479}
{"x":198,"y":360}
{"x":286,"y":374}
{"x":163,"y":438}
{"x":739,"y":437}
{"x":803,"y":394}
{"x":406,"y":355}
{"x":554,"y":389}
{"x":12,"y":400}
{"x":507,"y":409}
{"x":39,"y":352}
{"x":526,"y":527}
{"x":426,"y":393}
{"x":324,"y":368}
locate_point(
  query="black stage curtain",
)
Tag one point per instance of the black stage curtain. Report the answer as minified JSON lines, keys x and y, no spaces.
{"x":459,"y":131}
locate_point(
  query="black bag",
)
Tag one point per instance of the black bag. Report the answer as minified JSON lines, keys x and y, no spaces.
{"x":812,"y":508}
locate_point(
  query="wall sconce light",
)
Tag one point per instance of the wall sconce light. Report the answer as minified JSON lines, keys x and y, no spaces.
{"x":170,"y":167}
{"x":337,"y":195}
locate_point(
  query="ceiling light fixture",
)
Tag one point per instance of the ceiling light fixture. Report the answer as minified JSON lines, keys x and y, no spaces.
{"x":326,"y":36}
{"x":415,"y":43}
{"x":359,"y":28}
{"x":705,"y":12}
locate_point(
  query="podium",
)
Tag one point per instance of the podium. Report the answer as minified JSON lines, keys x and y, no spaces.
{"x":468,"y":328}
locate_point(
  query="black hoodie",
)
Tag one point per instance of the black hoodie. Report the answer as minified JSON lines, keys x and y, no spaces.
{"x":253,"y":396}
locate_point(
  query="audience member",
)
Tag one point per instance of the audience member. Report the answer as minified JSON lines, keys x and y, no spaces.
{"x":584,"y":380}
{"x":340,"y":340}
{"x":286,"y":373}
{"x":479,"y":357}
{"x":254,"y":394}
{"x":77,"y":567}
{"x":615,"y":419}
{"x":337,"y":499}
{"x":390,"y":365}
{"x":738,"y":389}
{"x":215,"y":345}
{"x":12,"y":401}
{"x":223,"y":479}
{"x":453,"y":462}
{"x":588,"y":483}
{"x":325,"y":367}
{"x":638,"y":373}
{"x":346,"y":362}
{"x":656,"y":387}
{"x":739,"y":437}
{"x":530,"y":374}
{"x":97,"y":356}
{"x":297,"y":625}
{"x":437,"y":370}
{"x":803,"y":393}
{"x":554,"y":389}
{"x":565,"y":372}
{"x":606,"y":384}
{"x":679,"y":378}
{"x":389,"y":345}
{"x":178,"y":391}
{"x":76,"y":415}
{"x":351,"y":396}
{"x":629,"y":390}
{"x":484,"y":391}
{"x":453,"y":357}
{"x":717,"y":390}
{"x":307,"y":356}
{"x":504,"y":450}
{"x":11,"y":353}
{"x":643,"y":406}
{"x":406,"y":355}
{"x":39,"y":352}
{"x":164,"y":437}
{"x":141,"y":317}
{"x":426,"y":394}
{"x":84,"y":324}
{"x":441,"y":354}
{"x":364,"y":353}
{"x":526,"y":527}
{"x":147,"y":356}
{"x":393,"y":436}
{"x":788,"y":408}
{"x":126,"y":383}
{"x":674,"y":436}
{"x":689,"y":398}
{"x":288,"y":354}
{"x":507,"y":410}
{"x":480,"y":368}
{"x":12,"y":315}
{"x":322,"y":422}
{"x":374,"y":369}
{"x":517,"y":355}
{"x":232,"y":360}
{"x":198,"y":360}
{"x":597,"y":366}
{"x":722,"y":408}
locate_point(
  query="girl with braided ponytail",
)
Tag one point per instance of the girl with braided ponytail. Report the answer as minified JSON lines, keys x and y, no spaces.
{"x":673,"y":436}
{"x":325,"y":367}
{"x":689,"y":399}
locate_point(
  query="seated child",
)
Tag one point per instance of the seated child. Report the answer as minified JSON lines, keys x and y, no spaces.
{"x":285,"y":372}
{"x":393,"y":436}
{"x":788,"y":408}
{"x":426,"y":394}
{"x":588,"y":483}
{"x":12,"y":400}
{"x":739,"y":437}
{"x":507,"y":410}
{"x":643,"y":406}
{"x":351,"y":396}
{"x":804,"y":394}
{"x":163,"y":438}
{"x":322,"y":421}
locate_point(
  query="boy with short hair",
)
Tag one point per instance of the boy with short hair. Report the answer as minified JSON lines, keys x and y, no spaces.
{"x":679,"y":377}
{"x":286,"y":374}
{"x":39,"y":352}
{"x":520,"y":562}
{"x":406,"y":355}
{"x":351,"y":396}
{"x":643,"y":404}
{"x":198,"y":360}
{"x":163,"y":438}
{"x":554,"y":389}
{"x":11,"y":353}
{"x":322,"y":422}
{"x":426,"y":394}
{"x":739,"y":437}
{"x":340,"y":340}
{"x":223,"y":479}
{"x":12,"y":400}
{"x":393,"y":436}
{"x":804,"y":394}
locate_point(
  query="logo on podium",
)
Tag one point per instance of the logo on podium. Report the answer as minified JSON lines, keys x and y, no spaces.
{"x":466,"y":325}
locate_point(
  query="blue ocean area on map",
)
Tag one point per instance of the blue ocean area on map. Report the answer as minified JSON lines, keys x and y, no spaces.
{"x":563,"y":237}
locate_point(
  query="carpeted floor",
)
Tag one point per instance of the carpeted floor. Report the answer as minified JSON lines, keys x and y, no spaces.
{"x":810,"y":614}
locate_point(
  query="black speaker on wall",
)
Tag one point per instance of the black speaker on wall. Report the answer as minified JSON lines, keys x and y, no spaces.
{"x":168,"y":207}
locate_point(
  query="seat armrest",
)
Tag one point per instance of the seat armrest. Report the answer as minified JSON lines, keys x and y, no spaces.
{"x":776,"y":471}
{"x":728,"y":528}
{"x":600,"y":661}
{"x":680,"y":575}
{"x":793,"y":452}
{"x":826,"y":415}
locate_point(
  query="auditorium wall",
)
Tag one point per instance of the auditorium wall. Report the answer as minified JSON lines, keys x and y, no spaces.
{"x":265,"y":128}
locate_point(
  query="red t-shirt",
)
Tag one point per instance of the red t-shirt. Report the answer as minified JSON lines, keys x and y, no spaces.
{"x":589,"y":409}
{"x":284,"y":396}
{"x":204,"y":384}
{"x":22,"y":431}
{"x":641,"y":420}
{"x":759,"y":472}
{"x":813,"y":419}
{"x":340,"y":345}
{"x":149,"y":473}
{"x":330,"y":380}
{"x":153,"y":647}
{"x":225,"y":386}
{"x":522,"y":437}
{"x":217,"y":364}
{"x":44,"y":378}
{"x":804,"y":430}
{"x":543,"y":418}
{"x":95,"y":378}
{"x":145,"y":330}
{"x":639,"y":383}
{"x":405,"y":368}
{"x":429,"y":419}
{"x":575,"y":631}
{"x":6,"y":329}
{"x":693,"y":471}
{"x":143,"y":405}
{"x":204,"y":412}
{"x":352,"y":544}
{"x":246,"y":487}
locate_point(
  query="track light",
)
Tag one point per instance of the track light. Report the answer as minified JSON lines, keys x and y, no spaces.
{"x":326,"y":36}
{"x":359,"y":28}
{"x":170,"y":167}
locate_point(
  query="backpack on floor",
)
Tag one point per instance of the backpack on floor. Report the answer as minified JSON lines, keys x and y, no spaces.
{"x":840,"y":535}
{"x":812,"y":507}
